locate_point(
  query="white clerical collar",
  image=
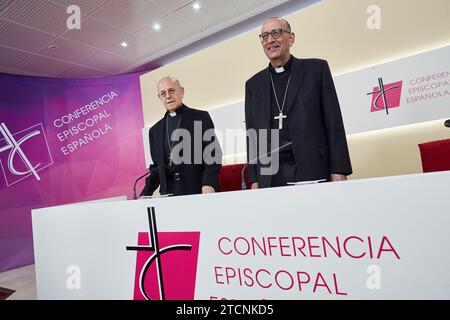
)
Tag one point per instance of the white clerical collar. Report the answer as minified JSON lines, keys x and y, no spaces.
{"x":172,"y":114}
{"x":279,"y":69}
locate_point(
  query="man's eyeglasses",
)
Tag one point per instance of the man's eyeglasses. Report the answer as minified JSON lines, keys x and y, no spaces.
{"x":275,"y":33}
{"x":163,"y":94}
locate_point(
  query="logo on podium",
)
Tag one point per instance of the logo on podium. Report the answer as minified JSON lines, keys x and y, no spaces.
{"x":386,"y":96}
{"x":166,"y":263}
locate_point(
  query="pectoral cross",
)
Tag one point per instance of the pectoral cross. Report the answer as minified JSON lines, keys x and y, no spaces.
{"x":280,"y":118}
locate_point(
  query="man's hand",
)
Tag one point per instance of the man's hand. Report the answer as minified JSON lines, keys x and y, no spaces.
{"x":337,"y":177}
{"x":254,"y":185}
{"x":208,"y":189}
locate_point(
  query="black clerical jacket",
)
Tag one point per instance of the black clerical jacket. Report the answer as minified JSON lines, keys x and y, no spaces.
{"x":314,"y":120}
{"x":192,"y":176}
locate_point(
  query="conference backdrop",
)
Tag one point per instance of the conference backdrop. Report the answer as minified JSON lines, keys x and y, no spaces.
{"x":63,"y":141}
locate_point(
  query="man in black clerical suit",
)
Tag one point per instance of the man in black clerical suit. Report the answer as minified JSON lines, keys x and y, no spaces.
{"x":298,"y":98}
{"x":181,"y":165}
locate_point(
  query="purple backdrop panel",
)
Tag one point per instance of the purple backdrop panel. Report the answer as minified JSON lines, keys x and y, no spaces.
{"x":63,"y":141}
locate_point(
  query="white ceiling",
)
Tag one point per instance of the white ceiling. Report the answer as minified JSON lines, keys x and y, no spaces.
{"x":30,"y":28}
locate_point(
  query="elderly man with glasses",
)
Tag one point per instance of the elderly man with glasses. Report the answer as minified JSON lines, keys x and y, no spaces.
{"x":181,"y":165}
{"x":297,"y":97}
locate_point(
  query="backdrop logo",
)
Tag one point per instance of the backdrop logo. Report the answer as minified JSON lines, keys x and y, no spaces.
{"x":24,"y":153}
{"x":166,"y":263}
{"x":386,"y":96}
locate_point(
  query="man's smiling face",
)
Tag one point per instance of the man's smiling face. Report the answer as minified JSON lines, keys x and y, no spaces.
{"x":277,"y":50}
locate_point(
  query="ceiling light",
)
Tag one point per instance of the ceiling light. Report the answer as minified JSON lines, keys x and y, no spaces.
{"x":124,"y":44}
{"x":156,"y":26}
{"x":196,"y":5}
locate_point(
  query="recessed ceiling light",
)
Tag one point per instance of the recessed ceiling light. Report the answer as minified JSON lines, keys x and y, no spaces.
{"x":156,"y":26}
{"x":124,"y":44}
{"x":196,"y":5}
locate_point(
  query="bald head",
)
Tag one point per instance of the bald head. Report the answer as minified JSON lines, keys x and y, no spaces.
{"x":286,"y":24}
{"x":171,"y":79}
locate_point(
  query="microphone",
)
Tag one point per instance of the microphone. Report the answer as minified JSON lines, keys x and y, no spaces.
{"x":143,"y":176}
{"x":137,"y":180}
{"x":243,"y":184}
{"x":447,"y":123}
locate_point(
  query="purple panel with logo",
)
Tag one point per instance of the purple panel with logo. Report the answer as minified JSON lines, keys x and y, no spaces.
{"x":63,"y":141}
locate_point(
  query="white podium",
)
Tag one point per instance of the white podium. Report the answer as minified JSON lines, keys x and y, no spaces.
{"x":381,"y":238}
